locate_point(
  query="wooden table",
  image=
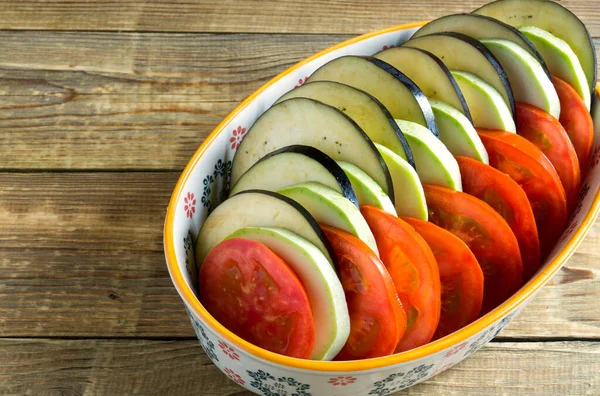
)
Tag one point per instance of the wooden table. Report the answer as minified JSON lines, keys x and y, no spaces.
{"x":102,"y":104}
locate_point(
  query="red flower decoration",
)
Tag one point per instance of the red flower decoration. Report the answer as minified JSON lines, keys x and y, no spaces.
{"x":456,"y":349}
{"x":595,"y":157}
{"x":342,"y":380}
{"x":190,"y":205}
{"x":388,"y":47}
{"x":233,"y":376}
{"x":229,"y":351}
{"x":301,"y":81}
{"x":236,"y":138}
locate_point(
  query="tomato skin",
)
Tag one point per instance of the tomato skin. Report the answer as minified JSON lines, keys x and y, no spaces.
{"x":255,"y":294}
{"x":377,"y":320}
{"x":460,"y":276}
{"x":507,"y":198}
{"x":529,"y":167}
{"x":413,"y":269}
{"x":546,"y":132}
{"x":577,"y":121}
{"x":488,"y":236}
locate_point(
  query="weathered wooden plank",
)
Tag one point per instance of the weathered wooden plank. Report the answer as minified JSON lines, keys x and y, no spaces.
{"x":211,"y":67}
{"x":124,"y":367}
{"x":105,"y":131}
{"x":242,"y":15}
{"x":81,"y":255}
{"x":128,"y":101}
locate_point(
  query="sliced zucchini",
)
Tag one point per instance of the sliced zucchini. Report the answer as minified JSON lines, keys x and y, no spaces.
{"x":401,"y":96}
{"x":435,"y":164}
{"x":294,"y":165}
{"x":463,"y":53}
{"x":308,"y":122}
{"x":323,"y":288}
{"x":457,"y":133}
{"x":429,"y":73}
{"x":374,"y":119}
{"x":258,"y":208}
{"x":555,"y":19}
{"x":367,"y":191}
{"x":410,"y":197}
{"x":529,"y":81}
{"x":487,"y":106}
{"x":561,"y":60}
{"x":327,"y":206}
{"x":481,"y":27}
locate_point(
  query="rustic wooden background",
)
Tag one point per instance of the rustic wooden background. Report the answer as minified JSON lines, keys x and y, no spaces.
{"x":102,"y":103}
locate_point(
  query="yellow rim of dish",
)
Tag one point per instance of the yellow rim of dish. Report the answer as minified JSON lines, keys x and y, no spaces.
{"x":356,"y":365}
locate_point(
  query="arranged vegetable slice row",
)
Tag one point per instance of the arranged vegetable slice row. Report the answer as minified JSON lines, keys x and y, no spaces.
{"x":413,"y":269}
{"x":311,"y":123}
{"x":554,"y":18}
{"x":530,"y":168}
{"x":325,"y":293}
{"x":398,"y":93}
{"x":507,"y":198}
{"x":377,"y":320}
{"x":577,"y":121}
{"x":461,"y":277}
{"x":256,"y":295}
{"x":547,"y":134}
{"x":373,"y":118}
{"x":367,"y":191}
{"x":294,"y":165}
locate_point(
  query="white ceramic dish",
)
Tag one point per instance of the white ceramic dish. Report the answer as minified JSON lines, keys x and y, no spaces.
{"x":203,"y":184}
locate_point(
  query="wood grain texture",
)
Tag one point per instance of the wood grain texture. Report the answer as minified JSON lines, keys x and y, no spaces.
{"x":125,"y":367}
{"x":128,"y":101}
{"x":235,"y":16}
{"x":81,"y":255}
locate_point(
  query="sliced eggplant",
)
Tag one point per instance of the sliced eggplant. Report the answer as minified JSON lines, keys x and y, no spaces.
{"x":482,"y":27}
{"x":463,"y":53}
{"x":308,"y":122}
{"x":527,"y":78}
{"x":429,"y":73}
{"x":294,"y":165}
{"x":488,"y":108}
{"x":374,"y":119}
{"x":258,"y":208}
{"x":554,"y":18}
{"x":398,"y":93}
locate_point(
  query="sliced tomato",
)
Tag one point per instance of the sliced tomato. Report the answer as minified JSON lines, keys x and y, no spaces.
{"x":488,"y":236}
{"x":377,"y":320}
{"x":413,"y":269}
{"x":577,"y":121}
{"x":461,"y":277}
{"x":546,"y":132}
{"x":507,"y":198}
{"x":529,"y":167}
{"x":254,"y":293}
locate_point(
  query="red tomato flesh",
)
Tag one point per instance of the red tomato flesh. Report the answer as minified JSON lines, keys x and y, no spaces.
{"x":577,"y":121}
{"x":507,"y":198}
{"x":414,"y":271}
{"x":460,"y":276}
{"x":529,"y":167}
{"x":488,"y":236}
{"x":377,"y":320}
{"x":254,"y":293}
{"x":546,"y":132}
